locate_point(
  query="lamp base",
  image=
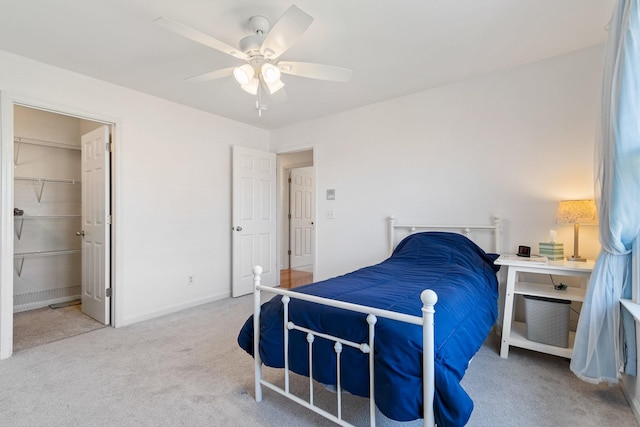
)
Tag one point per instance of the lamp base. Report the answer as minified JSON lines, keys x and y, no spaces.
{"x":576,"y":258}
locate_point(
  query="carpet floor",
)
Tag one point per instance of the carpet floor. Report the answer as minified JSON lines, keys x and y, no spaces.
{"x":186,"y":369}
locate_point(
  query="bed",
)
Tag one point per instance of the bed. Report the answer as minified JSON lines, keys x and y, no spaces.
{"x":373,"y":332}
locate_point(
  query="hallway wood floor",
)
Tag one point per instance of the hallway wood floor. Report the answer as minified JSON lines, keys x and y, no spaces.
{"x":294,"y":278}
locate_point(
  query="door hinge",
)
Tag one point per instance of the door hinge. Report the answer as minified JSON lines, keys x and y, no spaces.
{"x":289,"y":216}
{"x":107,"y":146}
{"x":289,"y":252}
{"x":108,"y":220}
{"x":108,"y":293}
{"x":289,"y":180}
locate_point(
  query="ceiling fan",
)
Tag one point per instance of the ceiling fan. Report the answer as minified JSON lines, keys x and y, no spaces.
{"x":261,"y":51}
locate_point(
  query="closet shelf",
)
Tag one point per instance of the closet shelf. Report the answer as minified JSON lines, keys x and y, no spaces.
{"x":19,"y":140}
{"x":20,"y":221}
{"x":43,"y":181}
{"x":59,"y":181}
{"x":23,"y":255}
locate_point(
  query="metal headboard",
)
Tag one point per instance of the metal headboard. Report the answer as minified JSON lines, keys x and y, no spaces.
{"x":461,"y":229}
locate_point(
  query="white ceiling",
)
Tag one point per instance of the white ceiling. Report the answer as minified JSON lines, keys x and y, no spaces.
{"x":394,"y":47}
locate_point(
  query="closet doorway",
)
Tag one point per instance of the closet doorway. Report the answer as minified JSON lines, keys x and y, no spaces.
{"x":62,"y":224}
{"x":297,"y":196}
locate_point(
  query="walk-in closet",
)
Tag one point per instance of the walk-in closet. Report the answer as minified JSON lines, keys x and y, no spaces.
{"x":48,"y":226}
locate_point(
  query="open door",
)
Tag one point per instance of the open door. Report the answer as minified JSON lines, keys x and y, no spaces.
{"x":254,"y":218}
{"x":96,"y":225}
{"x":301,"y":223}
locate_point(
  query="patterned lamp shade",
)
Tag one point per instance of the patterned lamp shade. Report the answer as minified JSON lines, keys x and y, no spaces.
{"x":577,"y":212}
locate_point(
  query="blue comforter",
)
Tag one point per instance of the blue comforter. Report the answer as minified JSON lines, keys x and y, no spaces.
{"x":464,"y":278}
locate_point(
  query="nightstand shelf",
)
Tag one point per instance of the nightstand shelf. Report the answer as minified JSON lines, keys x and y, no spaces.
{"x":514,"y":332}
{"x":547,"y":291}
{"x":519,"y":339}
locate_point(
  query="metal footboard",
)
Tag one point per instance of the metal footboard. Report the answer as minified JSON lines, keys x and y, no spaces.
{"x":429,"y":299}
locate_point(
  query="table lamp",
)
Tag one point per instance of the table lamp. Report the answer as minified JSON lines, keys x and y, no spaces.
{"x":576,"y":212}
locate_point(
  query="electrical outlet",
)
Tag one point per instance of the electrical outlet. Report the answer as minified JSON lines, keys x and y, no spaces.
{"x":190,"y":280}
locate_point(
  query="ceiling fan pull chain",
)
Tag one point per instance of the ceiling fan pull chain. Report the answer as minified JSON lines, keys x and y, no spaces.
{"x":259,"y":105}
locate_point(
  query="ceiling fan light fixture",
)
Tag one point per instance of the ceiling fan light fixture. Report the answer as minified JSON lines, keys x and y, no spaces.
{"x":268,"y":53}
{"x":251,"y":86}
{"x":261,"y":73}
{"x":243,"y":74}
{"x":270,"y":73}
{"x":275,"y":86}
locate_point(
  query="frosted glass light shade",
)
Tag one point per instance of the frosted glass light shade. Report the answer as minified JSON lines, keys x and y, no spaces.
{"x":243,"y":74}
{"x":275,"y":86}
{"x":252,"y":86}
{"x":270,"y":73}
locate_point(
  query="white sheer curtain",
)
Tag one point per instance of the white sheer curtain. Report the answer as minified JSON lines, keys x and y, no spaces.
{"x":605,"y":338}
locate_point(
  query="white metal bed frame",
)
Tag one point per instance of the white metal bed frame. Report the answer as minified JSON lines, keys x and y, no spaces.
{"x":428,"y":297}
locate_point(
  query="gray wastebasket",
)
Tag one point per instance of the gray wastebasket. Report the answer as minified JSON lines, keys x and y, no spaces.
{"x":547,"y":320}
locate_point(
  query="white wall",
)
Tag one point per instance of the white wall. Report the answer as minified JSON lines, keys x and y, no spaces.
{"x":173,"y":191}
{"x":512,"y":143}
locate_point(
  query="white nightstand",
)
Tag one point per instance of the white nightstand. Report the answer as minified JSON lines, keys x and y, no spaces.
{"x":513,"y":333}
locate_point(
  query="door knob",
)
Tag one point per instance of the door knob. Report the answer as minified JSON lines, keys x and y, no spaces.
{"x":80,"y":233}
{"x":238,"y":228}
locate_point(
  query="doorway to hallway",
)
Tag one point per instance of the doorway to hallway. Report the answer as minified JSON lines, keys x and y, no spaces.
{"x":297,"y":219}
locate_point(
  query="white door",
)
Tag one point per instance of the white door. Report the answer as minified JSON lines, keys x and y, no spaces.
{"x":96,"y":228}
{"x":254,"y":219}
{"x":301,"y":220}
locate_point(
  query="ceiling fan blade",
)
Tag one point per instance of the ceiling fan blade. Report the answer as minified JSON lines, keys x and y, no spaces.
{"x":211,"y":75}
{"x":285,"y":32}
{"x":315,"y":71}
{"x":200,"y":37}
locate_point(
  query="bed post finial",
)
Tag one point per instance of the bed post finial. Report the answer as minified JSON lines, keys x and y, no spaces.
{"x":429,"y":298}
{"x":257,"y":272}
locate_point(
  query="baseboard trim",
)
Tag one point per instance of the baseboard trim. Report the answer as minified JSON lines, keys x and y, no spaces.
{"x":173,"y":309}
